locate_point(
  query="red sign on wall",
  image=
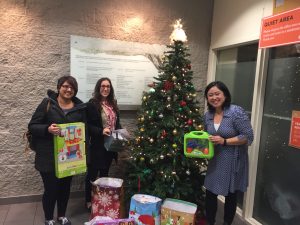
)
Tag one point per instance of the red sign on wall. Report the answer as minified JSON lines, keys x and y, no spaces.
{"x":295,"y":130}
{"x":281,"y":29}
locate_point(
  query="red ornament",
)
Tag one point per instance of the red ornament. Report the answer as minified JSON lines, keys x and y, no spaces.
{"x":190,"y":122}
{"x":168,"y":85}
{"x":182,"y":103}
{"x":189,"y":66}
{"x":163,"y":134}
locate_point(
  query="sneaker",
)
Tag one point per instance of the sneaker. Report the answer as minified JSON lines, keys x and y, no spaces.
{"x":63,"y":221}
{"x":49,"y":222}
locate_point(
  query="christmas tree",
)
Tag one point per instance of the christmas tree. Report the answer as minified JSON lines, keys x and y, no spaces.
{"x":169,"y":110}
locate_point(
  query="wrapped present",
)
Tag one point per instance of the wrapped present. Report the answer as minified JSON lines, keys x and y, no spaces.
{"x":145,"y":209}
{"x":197,"y":145}
{"x":107,"y":197}
{"x":100,"y":220}
{"x":174,"y":211}
{"x":69,"y":150}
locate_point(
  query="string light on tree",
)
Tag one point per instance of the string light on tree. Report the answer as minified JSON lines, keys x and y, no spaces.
{"x":168,"y":111}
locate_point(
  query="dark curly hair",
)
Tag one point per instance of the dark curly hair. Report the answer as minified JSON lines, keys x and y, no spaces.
{"x":220,"y":85}
{"x":111,"y":100}
{"x":71,"y":80}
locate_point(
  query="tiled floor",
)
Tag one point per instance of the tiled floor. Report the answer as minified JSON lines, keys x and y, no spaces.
{"x":32,"y":214}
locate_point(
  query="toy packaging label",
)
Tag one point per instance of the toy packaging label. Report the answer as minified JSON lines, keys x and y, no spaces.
{"x":145,"y":209}
{"x":107,"y":198}
{"x":174,"y":211}
{"x":197,"y":145}
{"x":69,"y":150}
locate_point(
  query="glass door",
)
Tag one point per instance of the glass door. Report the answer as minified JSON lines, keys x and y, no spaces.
{"x":277,"y":191}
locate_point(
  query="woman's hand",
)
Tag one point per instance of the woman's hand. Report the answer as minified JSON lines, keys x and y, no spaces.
{"x":54,"y":129}
{"x":216,"y":140}
{"x":106,"y":131}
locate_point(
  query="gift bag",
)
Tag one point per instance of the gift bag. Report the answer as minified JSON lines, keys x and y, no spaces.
{"x":145,"y":209}
{"x":174,"y":211}
{"x":105,"y":220}
{"x":107,"y":197}
{"x":116,"y":141}
{"x":197,"y":145}
{"x":69,"y":150}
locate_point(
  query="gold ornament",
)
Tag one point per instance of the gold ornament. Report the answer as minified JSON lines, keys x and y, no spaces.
{"x":142,"y":129}
{"x":144,"y":98}
{"x":142,"y":159}
{"x":142,"y":119}
{"x":199,"y":127}
{"x":161,"y":157}
{"x":174,"y":78}
{"x":174,"y":145}
{"x":151,"y":140}
{"x":175,"y":132}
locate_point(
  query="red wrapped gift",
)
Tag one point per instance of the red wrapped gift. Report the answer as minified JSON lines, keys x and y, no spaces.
{"x":107,"y":197}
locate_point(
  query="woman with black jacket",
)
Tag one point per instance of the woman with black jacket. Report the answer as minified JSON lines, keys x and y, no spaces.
{"x":103,"y":118}
{"x":61,"y":107}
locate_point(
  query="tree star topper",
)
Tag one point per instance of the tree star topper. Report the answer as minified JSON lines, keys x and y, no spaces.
{"x":178,"y":33}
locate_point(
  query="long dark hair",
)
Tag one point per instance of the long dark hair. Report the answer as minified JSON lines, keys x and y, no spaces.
{"x":220,"y":85}
{"x":97,"y":98}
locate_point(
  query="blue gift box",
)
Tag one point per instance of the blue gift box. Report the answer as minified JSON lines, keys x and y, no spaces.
{"x":145,"y":209}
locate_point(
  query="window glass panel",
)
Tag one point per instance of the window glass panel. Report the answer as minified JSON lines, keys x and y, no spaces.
{"x":236,"y":68}
{"x":277,"y":193}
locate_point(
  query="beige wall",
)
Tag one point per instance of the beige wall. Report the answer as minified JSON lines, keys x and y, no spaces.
{"x":34,"y":52}
{"x":236,"y":21}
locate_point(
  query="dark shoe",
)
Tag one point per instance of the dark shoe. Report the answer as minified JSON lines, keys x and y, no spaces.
{"x":64,"y":221}
{"x":49,"y":222}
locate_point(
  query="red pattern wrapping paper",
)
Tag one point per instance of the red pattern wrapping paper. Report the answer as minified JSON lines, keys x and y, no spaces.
{"x":106,"y":199}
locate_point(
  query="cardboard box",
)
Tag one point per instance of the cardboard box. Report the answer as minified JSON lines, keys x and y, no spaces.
{"x":69,"y":150}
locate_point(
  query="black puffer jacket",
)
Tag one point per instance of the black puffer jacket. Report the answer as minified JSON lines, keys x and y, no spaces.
{"x":49,"y":112}
{"x":99,"y":157}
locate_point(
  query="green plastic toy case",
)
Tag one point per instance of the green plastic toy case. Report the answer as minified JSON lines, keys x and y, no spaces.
{"x":197,"y":145}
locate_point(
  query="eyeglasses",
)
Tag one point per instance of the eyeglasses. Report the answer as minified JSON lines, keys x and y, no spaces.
{"x":67,"y":87}
{"x":105,"y":86}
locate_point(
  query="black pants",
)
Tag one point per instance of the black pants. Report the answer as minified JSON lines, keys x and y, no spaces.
{"x":211,"y":205}
{"x":55,"y":191}
{"x":91,"y":176}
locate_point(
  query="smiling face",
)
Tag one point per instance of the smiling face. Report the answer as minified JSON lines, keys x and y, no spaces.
{"x":105,"y":89}
{"x":215,"y":97}
{"x":66,"y":91}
